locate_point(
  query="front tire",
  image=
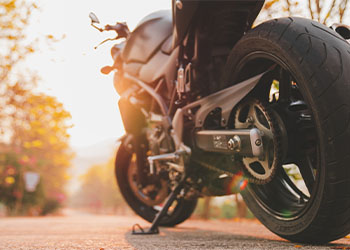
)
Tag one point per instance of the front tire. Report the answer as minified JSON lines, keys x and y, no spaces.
{"x":318,"y":62}
{"x":180,"y":210}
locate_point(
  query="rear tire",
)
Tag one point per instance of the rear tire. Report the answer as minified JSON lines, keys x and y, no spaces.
{"x":319,"y":61}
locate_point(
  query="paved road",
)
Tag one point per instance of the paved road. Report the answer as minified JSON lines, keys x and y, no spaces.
{"x":79,"y":231}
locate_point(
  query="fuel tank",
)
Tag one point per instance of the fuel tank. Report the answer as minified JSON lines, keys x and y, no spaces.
{"x":150,"y":33}
{"x":148,"y":53}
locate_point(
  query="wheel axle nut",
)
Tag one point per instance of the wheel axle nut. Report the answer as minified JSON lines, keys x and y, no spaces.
{"x":234,"y":144}
{"x":258,"y":142}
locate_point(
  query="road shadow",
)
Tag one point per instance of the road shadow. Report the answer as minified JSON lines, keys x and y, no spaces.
{"x":191,"y":238}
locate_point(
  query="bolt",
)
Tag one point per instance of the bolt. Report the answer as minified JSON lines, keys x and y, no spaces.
{"x":231,"y":144}
{"x":234,"y":143}
{"x":250,"y":119}
{"x":258,"y":142}
{"x":223,"y":120}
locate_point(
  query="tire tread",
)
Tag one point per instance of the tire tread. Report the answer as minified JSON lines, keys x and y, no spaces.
{"x":325,"y":58}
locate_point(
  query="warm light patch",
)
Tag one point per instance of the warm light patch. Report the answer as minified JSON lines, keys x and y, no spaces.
{"x":9,"y":180}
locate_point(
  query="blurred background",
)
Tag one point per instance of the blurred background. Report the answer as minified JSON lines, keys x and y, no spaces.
{"x":59,"y":120}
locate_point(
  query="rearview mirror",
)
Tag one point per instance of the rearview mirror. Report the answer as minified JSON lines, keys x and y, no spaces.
{"x":93,"y":18}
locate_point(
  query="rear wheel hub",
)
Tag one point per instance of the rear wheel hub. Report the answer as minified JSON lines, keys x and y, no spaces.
{"x":253,"y":114}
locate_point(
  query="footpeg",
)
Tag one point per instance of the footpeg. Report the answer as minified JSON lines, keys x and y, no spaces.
{"x":163,"y":157}
{"x":166,"y":157}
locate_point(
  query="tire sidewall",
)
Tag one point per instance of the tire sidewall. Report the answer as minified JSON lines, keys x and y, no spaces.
{"x":250,"y":45}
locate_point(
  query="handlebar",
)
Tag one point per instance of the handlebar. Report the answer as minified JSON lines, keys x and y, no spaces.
{"x":121,"y":29}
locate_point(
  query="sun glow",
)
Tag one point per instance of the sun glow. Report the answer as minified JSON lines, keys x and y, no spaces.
{"x":70,"y":66}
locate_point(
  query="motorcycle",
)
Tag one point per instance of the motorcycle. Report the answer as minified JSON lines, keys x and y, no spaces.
{"x":212,"y":106}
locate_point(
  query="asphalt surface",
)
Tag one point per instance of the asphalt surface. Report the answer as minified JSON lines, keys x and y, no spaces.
{"x":84,"y":231}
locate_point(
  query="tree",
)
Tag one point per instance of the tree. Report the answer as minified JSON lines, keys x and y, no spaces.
{"x":38,"y":143}
{"x":14,"y":16}
{"x":323,"y":11}
{"x":99,"y":189}
{"x":206,"y":208}
{"x":33,"y":126}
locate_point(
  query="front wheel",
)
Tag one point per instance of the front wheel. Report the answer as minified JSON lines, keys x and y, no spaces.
{"x":147,"y":201}
{"x":307,"y":91}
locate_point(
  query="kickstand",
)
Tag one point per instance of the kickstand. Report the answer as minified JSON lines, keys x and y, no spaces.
{"x":154,"y":228}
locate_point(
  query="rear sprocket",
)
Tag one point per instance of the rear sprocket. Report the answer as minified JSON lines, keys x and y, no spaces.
{"x":252,"y":113}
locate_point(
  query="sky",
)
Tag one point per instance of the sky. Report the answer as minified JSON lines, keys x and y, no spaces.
{"x":70,"y":68}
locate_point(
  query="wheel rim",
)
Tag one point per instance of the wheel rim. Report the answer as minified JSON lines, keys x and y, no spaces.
{"x":145,"y":194}
{"x":156,"y":203}
{"x":292,"y":190}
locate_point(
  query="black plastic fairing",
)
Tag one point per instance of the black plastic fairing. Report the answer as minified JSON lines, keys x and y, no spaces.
{"x":244,"y":13}
{"x":182,"y":19}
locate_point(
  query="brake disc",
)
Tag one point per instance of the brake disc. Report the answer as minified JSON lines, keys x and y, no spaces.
{"x":152,"y":194}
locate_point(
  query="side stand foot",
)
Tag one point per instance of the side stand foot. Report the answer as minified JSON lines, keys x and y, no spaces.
{"x":154,"y":228}
{"x":137,"y":229}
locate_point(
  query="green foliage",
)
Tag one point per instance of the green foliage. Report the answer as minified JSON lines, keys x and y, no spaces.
{"x":293,"y":172}
{"x":12,"y":192}
{"x":13,"y":165}
{"x":228,"y":210}
{"x":220,"y":210}
{"x":50,"y":206}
